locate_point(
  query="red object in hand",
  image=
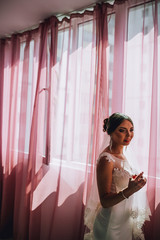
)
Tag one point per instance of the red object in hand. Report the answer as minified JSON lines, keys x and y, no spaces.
{"x":134,"y":176}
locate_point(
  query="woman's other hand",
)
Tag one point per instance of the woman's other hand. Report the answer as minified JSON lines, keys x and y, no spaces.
{"x":137,"y":182}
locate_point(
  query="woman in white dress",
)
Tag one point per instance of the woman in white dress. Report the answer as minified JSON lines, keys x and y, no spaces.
{"x":118,"y":215}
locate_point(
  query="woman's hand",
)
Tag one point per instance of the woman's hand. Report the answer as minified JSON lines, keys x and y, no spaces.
{"x":137,"y":182}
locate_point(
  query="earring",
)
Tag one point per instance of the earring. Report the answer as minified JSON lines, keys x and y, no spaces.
{"x":110,"y":144}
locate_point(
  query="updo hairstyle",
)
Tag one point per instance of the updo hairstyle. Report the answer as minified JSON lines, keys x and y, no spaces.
{"x":111,"y":123}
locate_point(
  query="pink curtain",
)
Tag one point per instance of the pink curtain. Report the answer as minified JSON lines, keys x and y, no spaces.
{"x":71,"y":117}
{"x":136,"y":91}
{"x":58,"y":83}
{"x":25,"y":98}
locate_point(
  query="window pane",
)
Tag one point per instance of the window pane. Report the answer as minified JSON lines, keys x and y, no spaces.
{"x":75,"y":87}
{"x":139,"y":70}
{"x":29,"y":98}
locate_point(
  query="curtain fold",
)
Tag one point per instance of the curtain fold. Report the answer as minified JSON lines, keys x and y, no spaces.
{"x":119,"y":57}
{"x":24,"y":125}
{"x":72,"y":97}
{"x":9,"y":160}
{"x":152,"y":168}
{"x":39,"y":139}
{"x":21,"y":210}
{"x":1,"y":103}
{"x":141,"y":99}
{"x":101,"y":100}
{"x":102,"y":85}
{"x":153,"y":165}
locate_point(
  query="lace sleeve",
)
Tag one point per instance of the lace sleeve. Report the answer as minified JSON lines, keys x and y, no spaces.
{"x":107,"y":157}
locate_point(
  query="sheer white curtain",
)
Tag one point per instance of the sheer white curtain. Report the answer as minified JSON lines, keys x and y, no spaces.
{"x":140,"y":85}
{"x":72,"y":94}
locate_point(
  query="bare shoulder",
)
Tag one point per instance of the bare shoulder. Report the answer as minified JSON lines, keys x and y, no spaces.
{"x":104,"y":175}
{"x":105,"y":163}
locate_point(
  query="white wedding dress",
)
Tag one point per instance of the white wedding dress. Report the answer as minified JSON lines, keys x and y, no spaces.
{"x":124,"y":220}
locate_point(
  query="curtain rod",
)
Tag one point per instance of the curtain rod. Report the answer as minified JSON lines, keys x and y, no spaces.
{"x":82,"y":9}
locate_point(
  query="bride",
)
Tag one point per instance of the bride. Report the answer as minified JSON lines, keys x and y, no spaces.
{"x":118,"y":211}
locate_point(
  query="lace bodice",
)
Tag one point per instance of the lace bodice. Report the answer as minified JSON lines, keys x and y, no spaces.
{"x":122,"y":171}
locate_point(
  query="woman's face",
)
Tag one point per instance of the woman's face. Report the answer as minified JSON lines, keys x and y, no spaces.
{"x":123,"y":134}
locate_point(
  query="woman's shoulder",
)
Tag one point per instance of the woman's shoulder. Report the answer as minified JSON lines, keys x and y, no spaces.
{"x":106,"y":156}
{"x":109,"y":157}
{"x":105,"y":163}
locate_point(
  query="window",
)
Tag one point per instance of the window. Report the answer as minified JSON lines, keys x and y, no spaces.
{"x":75,"y":88}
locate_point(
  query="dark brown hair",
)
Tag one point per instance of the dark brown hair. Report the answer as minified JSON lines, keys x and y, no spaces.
{"x":111,"y":123}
